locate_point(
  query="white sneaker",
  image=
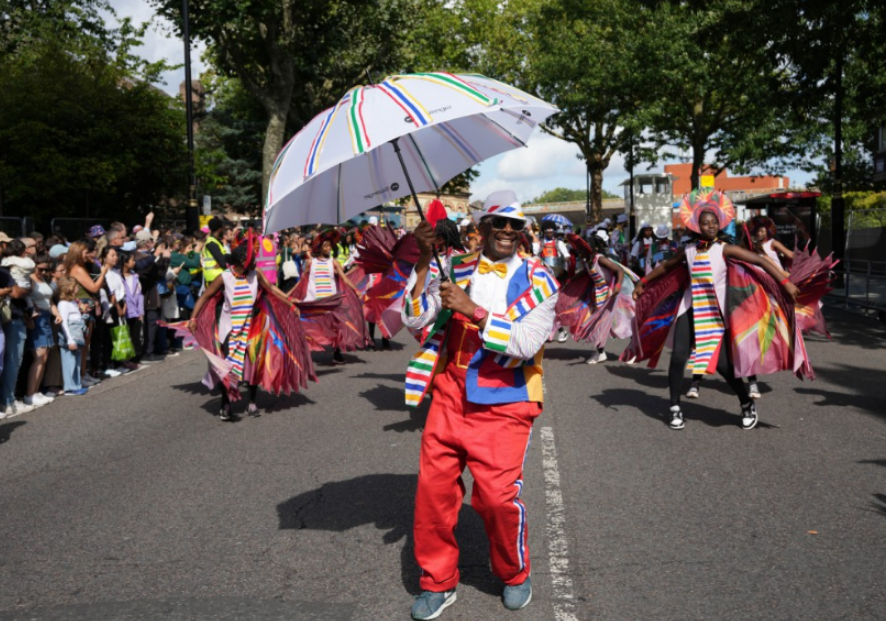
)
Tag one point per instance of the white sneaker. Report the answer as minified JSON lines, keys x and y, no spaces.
{"x":21,"y":408}
{"x":754,"y":391}
{"x":562,"y":335}
{"x":7,"y":411}
{"x":749,"y":416}
{"x":676,"y":418}
{"x":88,"y":380}
{"x":693,"y":391}
{"x":601,"y":357}
{"x":113,"y":373}
{"x":37,"y":400}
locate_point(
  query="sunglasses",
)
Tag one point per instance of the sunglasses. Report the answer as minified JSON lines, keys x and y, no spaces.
{"x":501,"y":222}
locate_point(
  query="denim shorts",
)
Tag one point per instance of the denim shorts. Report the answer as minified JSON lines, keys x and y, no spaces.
{"x":41,"y":334}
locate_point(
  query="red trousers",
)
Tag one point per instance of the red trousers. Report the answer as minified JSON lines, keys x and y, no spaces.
{"x":492,"y":442}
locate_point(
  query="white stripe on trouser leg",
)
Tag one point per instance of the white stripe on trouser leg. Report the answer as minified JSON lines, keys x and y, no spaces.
{"x":558,"y":548}
{"x":521,"y":531}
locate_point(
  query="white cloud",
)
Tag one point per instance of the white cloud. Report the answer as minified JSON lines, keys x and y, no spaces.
{"x":159,"y":44}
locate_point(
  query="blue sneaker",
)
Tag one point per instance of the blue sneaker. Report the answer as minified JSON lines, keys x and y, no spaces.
{"x":76,"y":393}
{"x":517,"y":596}
{"x":430,"y":604}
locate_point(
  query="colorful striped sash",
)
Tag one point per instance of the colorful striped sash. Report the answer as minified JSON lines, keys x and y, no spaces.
{"x":424,"y":363}
{"x":241,"y":317}
{"x":707,"y":320}
{"x":323,"y":275}
{"x":601,"y":287}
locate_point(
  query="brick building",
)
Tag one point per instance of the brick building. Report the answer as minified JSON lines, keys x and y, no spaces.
{"x":736,"y":187}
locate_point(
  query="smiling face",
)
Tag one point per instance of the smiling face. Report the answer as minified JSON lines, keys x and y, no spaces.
{"x":500,"y":243}
{"x":708,"y":226}
{"x":326,"y":249}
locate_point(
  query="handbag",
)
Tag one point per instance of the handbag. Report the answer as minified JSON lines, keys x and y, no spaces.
{"x":122,"y":347}
{"x":290,"y":269}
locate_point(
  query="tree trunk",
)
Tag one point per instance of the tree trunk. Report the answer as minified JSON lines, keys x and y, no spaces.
{"x":595,"y":169}
{"x":698,"y":151}
{"x":274,"y":137}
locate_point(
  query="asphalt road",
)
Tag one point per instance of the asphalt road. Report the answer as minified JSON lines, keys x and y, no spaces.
{"x":135,"y":502}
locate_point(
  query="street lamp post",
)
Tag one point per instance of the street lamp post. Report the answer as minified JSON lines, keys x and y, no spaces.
{"x":192,"y":219}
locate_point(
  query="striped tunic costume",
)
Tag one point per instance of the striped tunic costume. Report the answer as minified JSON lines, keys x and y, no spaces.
{"x":323,"y":278}
{"x":242,"y":303}
{"x":707,"y":320}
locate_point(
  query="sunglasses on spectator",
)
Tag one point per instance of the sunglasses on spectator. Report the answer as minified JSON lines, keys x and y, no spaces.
{"x":501,"y":222}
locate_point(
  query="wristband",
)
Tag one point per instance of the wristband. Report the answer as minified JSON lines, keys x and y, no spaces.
{"x":643,"y":281}
{"x":785,"y":281}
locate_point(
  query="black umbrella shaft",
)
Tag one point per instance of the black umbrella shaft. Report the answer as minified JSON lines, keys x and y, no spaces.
{"x":421,"y":214}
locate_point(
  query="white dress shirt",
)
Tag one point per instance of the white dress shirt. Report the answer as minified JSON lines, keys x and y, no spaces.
{"x":490,"y":291}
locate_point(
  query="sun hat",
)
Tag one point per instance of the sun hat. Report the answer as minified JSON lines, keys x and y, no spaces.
{"x":57,"y":251}
{"x":501,"y":203}
{"x":662,"y":231}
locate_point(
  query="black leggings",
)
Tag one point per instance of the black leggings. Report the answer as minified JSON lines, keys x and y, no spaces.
{"x":253,"y":389}
{"x":684,"y":338}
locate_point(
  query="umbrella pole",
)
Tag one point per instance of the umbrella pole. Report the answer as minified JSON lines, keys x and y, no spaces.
{"x":421,"y":214}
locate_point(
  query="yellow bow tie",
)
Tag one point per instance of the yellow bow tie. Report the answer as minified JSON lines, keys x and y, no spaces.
{"x":500,"y":269}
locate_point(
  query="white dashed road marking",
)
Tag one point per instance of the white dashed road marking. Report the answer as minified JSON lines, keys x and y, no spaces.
{"x":558,"y":548}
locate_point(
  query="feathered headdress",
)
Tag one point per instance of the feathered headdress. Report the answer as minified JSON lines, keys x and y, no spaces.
{"x":330,"y":235}
{"x":767,"y":223}
{"x":699,"y":201}
{"x":250,"y":240}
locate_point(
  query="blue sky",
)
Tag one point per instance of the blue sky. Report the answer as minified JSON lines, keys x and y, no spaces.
{"x":546,"y":164}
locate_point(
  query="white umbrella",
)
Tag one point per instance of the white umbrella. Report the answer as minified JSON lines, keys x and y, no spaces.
{"x":410,"y":133}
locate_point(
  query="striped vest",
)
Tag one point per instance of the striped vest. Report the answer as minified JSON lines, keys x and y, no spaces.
{"x":492,"y":377}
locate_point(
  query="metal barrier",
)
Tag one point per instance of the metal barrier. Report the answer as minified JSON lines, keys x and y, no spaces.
{"x":14,"y":227}
{"x":73,"y":229}
{"x":864,"y":285}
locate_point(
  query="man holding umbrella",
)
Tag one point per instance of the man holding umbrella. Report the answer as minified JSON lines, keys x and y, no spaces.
{"x":492,"y":322}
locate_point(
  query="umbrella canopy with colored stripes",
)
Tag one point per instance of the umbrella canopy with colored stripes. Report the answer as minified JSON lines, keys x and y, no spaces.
{"x":343,"y":162}
{"x":557,"y":219}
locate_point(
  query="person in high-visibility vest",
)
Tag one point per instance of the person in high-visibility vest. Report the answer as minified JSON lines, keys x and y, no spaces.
{"x":213,"y":255}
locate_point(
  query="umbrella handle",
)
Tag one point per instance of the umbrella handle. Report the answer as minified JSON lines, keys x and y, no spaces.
{"x":396,"y":143}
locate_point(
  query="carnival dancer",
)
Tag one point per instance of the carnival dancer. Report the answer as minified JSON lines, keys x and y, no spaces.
{"x":555,"y":255}
{"x":593,"y":304}
{"x":764,"y":241}
{"x":713,"y":296}
{"x":640,"y":247}
{"x":255,"y":337}
{"x":489,"y":325}
{"x":329,"y":302}
{"x":811,"y":273}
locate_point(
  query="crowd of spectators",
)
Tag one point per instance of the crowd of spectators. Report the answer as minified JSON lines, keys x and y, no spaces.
{"x":78,"y":312}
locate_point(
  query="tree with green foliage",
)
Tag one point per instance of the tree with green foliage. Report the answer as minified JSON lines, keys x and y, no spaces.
{"x":298,"y":58}
{"x":228,"y":145}
{"x":82,"y":132}
{"x":724,"y":101}
{"x":580,"y":56}
{"x":564,"y":195}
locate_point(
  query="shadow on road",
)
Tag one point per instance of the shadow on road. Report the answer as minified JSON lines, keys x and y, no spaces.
{"x":868,"y":381}
{"x":879,"y":504}
{"x":658,"y":379}
{"x":394,"y":377}
{"x":267,"y":403}
{"x":386,"y":398}
{"x":656,"y":407}
{"x":386,"y":501}
{"x":7,"y":429}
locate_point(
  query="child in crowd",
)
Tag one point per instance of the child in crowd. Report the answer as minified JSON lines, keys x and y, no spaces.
{"x":135,"y":306}
{"x":21,"y":268}
{"x":72,"y":337}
